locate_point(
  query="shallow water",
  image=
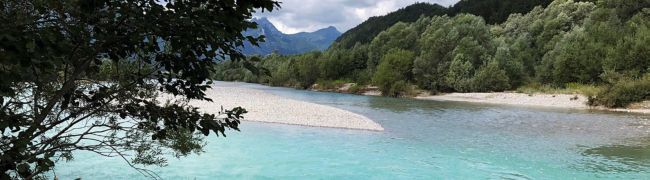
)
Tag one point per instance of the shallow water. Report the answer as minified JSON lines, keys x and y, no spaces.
{"x":422,"y":140}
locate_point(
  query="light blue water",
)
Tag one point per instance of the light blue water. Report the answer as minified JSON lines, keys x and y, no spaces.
{"x":422,"y":140}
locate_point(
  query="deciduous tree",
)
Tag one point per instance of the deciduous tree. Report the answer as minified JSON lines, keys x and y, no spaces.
{"x":54,"y":101}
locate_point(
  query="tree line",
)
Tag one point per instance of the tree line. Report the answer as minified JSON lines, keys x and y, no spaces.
{"x":604,"y":43}
{"x":493,"y":11}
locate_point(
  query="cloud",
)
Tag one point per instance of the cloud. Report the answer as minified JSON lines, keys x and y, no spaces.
{"x":310,"y":15}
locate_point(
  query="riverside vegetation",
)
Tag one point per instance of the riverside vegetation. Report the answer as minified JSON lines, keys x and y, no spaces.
{"x":86,"y":75}
{"x":598,"y":48}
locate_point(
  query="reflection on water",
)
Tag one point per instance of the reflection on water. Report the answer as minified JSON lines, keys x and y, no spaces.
{"x":619,"y":158}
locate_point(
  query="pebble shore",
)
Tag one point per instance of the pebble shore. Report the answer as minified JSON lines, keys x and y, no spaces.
{"x":267,"y":107}
{"x":538,"y":100}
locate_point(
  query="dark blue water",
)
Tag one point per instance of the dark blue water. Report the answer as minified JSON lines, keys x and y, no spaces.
{"x":422,"y":140}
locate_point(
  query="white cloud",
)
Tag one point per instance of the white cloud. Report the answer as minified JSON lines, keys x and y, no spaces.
{"x":310,"y":15}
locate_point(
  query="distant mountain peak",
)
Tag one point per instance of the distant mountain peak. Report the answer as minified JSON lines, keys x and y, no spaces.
{"x":265,"y":26}
{"x":276,"y":41}
{"x":330,"y":28}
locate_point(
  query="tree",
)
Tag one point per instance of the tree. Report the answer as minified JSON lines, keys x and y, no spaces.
{"x":513,"y":68}
{"x":400,"y":35}
{"x":365,"y":32}
{"x":444,"y":41}
{"x":53,"y":100}
{"x":629,"y":49}
{"x":393,"y":71}
{"x":307,"y":68}
{"x":460,"y":74}
{"x":283,"y":73}
{"x":496,"y":11}
{"x":490,"y":77}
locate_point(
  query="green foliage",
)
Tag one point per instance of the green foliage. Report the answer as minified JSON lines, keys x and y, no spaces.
{"x":496,"y":11}
{"x":336,"y":64}
{"x":629,"y":55}
{"x":282,"y":74}
{"x":493,"y":11}
{"x":401,"y":36}
{"x":529,"y":37}
{"x":563,"y":46}
{"x":234,"y":71}
{"x":624,"y":93}
{"x":490,"y":77}
{"x":574,"y":59}
{"x":460,"y":73}
{"x":86,"y":75}
{"x":392,"y":72}
{"x":307,"y":70}
{"x":366,"y":31}
{"x":450,"y":50}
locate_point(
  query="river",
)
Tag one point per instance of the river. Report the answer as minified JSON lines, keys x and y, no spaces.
{"x":422,"y":140}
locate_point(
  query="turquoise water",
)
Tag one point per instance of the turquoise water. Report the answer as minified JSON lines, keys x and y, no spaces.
{"x":422,"y":140}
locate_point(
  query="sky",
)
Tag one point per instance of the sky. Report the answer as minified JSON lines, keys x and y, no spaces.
{"x":310,"y":15}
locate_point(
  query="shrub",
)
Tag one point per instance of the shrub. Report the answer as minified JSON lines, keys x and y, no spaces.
{"x":355,"y":89}
{"x":624,"y":93}
{"x":398,"y":89}
{"x":490,"y":78}
{"x":391,"y":73}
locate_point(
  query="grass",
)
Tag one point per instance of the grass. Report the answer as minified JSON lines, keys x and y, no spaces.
{"x":569,"y":88}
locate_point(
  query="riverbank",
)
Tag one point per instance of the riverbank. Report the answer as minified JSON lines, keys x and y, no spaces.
{"x":267,"y":107}
{"x":570,"y":101}
{"x":566,"y":101}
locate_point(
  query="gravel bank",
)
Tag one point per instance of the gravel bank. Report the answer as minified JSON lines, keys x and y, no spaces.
{"x":266,"y":107}
{"x":538,"y":100}
{"x":544,"y":100}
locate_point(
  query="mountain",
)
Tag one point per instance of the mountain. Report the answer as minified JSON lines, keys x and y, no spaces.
{"x":287,"y":44}
{"x":322,"y":38}
{"x":492,"y":11}
{"x":366,"y":31}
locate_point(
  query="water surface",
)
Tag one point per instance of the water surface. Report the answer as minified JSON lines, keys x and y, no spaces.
{"x":422,"y":140}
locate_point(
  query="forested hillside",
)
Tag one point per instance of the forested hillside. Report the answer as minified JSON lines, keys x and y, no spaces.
{"x":366,"y":31}
{"x":493,"y":11}
{"x":496,"y":11}
{"x":603,"y":45}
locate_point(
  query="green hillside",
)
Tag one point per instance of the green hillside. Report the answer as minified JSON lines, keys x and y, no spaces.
{"x":366,"y":31}
{"x":493,"y":11}
{"x":598,"y":49}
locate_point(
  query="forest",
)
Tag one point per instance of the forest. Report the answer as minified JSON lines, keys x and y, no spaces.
{"x":493,"y":11}
{"x":601,"y":48}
